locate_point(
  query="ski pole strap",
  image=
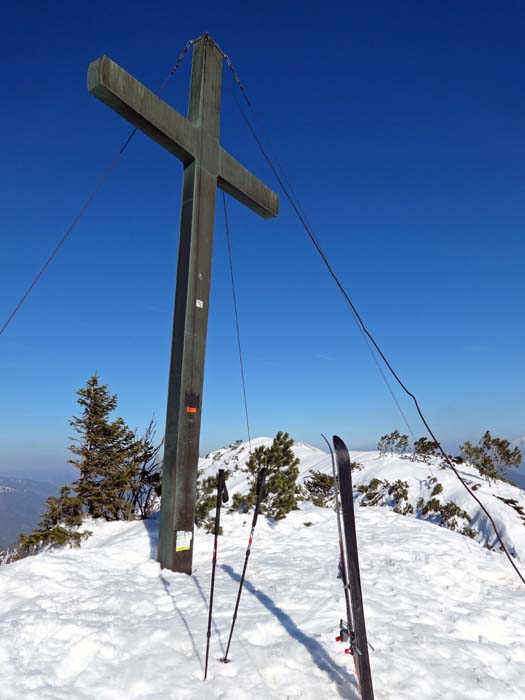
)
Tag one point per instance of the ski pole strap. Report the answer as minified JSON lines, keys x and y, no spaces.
{"x":261,"y":480}
{"x":222,"y":495}
{"x":222,"y":491}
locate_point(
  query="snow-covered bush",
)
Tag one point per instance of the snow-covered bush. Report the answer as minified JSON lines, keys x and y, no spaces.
{"x":382,"y":492}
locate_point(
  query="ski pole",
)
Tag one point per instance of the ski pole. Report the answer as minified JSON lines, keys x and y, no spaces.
{"x":222,"y":497}
{"x":260,"y":495}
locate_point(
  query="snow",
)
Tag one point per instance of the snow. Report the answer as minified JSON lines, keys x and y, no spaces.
{"x":420,"y":477}
{"x":445,"y":615}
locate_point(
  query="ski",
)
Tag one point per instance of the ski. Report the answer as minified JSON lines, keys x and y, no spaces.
{"x":222,"y":497}
{"x":356,"y":635}
{"x":346,"y":628}
{"x":261,"y":479}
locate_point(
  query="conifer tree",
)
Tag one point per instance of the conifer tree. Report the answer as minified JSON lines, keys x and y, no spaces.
{"x":282,"y":491}
{"x":424,"y":449}
{"x":393,"y":443}
{"x":58,"y":525}
{"x":319,"y":488}
{"x":108,"y":454}
{"x":383,"y":445}
{"x":492,"y":456}
{"x":119,"y":475}
{"x":402,"y":444}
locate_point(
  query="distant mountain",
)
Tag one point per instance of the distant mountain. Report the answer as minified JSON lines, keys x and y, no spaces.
{"x":518,"y":478}
{"x":22,"y":501}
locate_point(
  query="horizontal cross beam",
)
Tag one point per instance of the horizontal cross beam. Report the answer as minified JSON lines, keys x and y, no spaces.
{"x":131,"y":99}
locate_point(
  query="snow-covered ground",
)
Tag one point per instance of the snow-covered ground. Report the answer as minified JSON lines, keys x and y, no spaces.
{"x":445,"y":615}
{"x":503,"y":500}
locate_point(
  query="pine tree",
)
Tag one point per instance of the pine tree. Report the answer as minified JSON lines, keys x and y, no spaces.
{"x":58,"y":525}
{"x":393,"y":443}
{"x":108,"y":454}
{"x":492,"y":456}
{"x":384,"y":445}
{"x":319,"y":488}
{"x":119,"y":475}
{"x":424,"y":449}
{"x":402,"y":445}
{"x":282,"y":469}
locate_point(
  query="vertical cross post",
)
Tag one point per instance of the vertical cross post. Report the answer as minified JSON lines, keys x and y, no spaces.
{"x":183,"y":417}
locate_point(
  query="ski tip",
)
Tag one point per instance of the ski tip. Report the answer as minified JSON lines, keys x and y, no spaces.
{"x":338,"y":443}
{"x":328,"y":444}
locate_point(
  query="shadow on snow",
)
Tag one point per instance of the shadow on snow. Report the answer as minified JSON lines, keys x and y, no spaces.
{"x":151,"y":525}
{"x":344,"y":680}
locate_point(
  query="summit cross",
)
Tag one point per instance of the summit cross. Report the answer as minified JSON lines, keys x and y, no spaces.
{"x":195,"y":141}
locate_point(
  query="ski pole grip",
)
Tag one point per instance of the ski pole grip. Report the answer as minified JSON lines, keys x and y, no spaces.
{"x":261,"y":480}
{"x":221,"y":486}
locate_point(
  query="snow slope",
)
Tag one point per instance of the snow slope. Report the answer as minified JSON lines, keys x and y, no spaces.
{"x":421,"y":479}
{"x":446,"y":617}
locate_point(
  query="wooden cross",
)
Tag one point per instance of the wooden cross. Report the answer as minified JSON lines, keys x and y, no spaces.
{"x":194,"y":141}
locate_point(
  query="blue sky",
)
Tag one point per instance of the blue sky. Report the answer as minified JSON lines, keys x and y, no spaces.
{"x":402,"y":129}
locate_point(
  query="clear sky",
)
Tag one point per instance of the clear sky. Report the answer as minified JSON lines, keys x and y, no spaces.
{"x":402,"y":129}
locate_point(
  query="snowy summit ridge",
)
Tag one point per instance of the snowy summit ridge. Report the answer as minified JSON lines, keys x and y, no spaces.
{"x":422,"y":489}
{"x":445,"y":616}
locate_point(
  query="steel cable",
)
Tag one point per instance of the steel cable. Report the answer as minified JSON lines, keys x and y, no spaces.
{"x":236,"y":312}
{"x":298,"y":211}
{"x":101,"y":180}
